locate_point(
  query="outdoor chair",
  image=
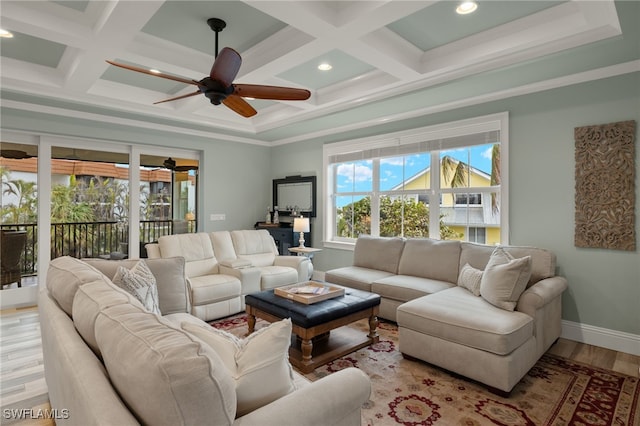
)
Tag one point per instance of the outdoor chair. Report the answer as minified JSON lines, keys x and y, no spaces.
{"x":12,"y":245}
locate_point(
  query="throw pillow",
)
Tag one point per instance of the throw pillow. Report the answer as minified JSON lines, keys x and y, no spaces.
{"x":504,"y":279}
{"x":259,"y":363}
{"x":140,"y":282}
{"x":470,"y":278}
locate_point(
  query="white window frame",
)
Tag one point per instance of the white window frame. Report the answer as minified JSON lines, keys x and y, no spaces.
{"x":431,"y":134}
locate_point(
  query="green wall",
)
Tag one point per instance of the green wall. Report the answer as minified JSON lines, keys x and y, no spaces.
{"x":604,"y":285}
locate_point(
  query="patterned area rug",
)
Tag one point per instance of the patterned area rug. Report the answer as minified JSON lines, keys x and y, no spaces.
{"x":556,"y":391}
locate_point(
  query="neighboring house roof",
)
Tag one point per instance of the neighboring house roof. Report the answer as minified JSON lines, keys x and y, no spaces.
{"x":426,"y":170}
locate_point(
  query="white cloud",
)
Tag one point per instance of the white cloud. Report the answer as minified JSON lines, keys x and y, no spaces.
{"x":355,"y":172}
{"x":487,"y":153}
{"x":393,"y":161}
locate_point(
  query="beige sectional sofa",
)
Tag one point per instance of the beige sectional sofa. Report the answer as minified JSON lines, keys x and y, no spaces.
{"x":223,"y":266}
{"x":427,"y":286}
{"x":109,"y":361}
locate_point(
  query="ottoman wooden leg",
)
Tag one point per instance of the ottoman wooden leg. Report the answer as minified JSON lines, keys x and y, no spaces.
{"x":306,"y":346}
{"x":251,"y":323}
{"x":373,"y":325}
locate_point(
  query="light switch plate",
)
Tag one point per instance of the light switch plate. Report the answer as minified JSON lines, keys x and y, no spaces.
{"x":217,"y":216}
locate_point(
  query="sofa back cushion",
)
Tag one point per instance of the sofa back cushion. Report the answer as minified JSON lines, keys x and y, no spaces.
{"x":168,"y":272}
{"x":381,"y":253}
{"x":257,"y":246}
{"x":427,"y":258}
{"x":195,"y":248}
{"x":89,"y":300}
{"x":543,"y":262}
{"x":164,"y":375}
{"x":65,"y":275}
{"x":223,"y":245}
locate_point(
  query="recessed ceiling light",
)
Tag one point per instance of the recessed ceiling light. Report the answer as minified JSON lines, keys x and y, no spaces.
{"x":324,"y":66}
{"x":466,"y":7}
{"x":155,"y":71}
{"x":5,"y":34}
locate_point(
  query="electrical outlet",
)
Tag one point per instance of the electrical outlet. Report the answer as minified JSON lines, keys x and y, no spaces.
{"x":218,"y":216}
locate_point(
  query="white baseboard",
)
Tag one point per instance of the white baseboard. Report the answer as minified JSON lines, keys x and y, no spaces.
{"x":603,"y":337}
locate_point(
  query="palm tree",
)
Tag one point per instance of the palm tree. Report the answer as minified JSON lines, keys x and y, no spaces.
{"x":454,"y":172}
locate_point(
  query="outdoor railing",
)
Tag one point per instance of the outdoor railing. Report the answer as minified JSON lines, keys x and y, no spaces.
{"x":91,"y":239}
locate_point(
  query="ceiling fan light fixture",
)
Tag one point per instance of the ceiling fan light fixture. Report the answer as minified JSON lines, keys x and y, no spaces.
{"x":6,"y":34}
{"x":325,"y":66}
{"x":466,"y":7}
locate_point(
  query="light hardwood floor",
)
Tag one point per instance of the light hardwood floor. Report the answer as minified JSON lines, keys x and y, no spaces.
{"x":22,"y":382}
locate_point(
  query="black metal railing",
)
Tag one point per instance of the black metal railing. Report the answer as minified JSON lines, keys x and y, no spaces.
{"x":91,"y":239}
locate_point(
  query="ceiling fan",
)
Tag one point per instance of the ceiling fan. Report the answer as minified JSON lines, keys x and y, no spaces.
{"x":219,"y":88}
{"x":14,"y":154}
{"x":170,"y":164}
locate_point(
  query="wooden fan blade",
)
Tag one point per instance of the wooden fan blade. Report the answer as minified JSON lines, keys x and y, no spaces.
{"x":157,"y":74}
{"x":240,"y":106}
{"x":226,"y":66}
{"x":179,"y":97}
{"x":271,"y":92}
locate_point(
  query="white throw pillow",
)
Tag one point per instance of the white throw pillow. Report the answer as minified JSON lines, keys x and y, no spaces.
{"x":470,"y":278}
{"x":259,"y":363}
{"x":504,"y":279}
{"x":140,"y":282}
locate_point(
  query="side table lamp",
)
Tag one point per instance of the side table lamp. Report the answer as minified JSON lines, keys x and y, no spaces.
{"x":301,"y":225}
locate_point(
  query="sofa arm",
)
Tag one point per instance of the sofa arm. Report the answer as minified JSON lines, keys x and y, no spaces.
{"x":249,"y":277}
{"x":331,"y":400}
{"x":299,"y":263}
{"x":540,"y":294}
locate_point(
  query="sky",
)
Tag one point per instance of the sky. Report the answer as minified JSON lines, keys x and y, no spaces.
{"x":356,"y":176}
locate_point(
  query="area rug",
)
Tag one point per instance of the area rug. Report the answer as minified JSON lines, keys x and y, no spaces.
{"x":556,"y":391}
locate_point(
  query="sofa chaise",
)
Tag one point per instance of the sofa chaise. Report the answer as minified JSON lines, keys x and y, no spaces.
{"x":110,"y":361}
{"x":485,"y":312}
{"x":223,"y":266}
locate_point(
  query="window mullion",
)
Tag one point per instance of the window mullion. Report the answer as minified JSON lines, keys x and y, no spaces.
{"x":434,"y":196}
{"x":375,"y":199}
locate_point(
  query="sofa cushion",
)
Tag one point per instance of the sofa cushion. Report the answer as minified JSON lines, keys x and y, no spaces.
{"x":89,"y":300}
{"x":355,"y":277}
{"x":169,"y":273}
{"x":222,"y":245}
{"x":259,"y":363}
{"x":504,"y":279}
{"x":196,"y":249}
{"x":428,"y":258}
{"x":65,"y":275}
{"x":257,"y":246}
{"x":543,"y":262}
{"x":214,"y":288}
{"x":404,"y":287}
{"x":164,"y":375}
{"x":378,"y":253}
{"x":140,"y":282}
{"x":470,"y":278}
{"x":458,"y":316}
{"x":277,"y":276}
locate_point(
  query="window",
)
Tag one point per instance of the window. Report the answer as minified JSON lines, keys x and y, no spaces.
{"x":454,"y":174}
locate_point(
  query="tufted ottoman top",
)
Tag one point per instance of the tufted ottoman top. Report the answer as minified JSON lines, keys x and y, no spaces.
{"x":307,"y":316}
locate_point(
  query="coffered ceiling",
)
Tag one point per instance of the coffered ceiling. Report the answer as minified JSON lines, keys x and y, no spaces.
{"x":391,"y":59}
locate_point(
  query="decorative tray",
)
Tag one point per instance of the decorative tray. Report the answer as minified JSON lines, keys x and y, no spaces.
{"x":309,"y":292}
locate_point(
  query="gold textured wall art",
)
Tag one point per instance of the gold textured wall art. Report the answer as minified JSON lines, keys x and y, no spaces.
{"x":605,"y":186}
